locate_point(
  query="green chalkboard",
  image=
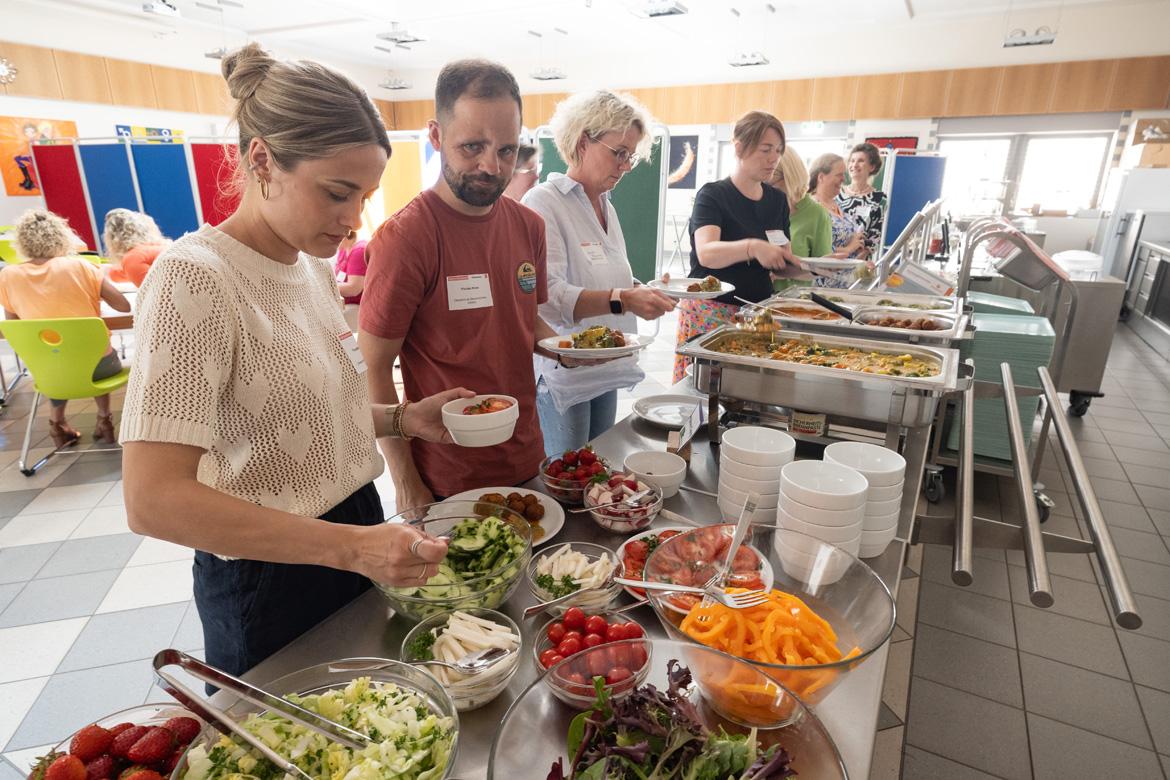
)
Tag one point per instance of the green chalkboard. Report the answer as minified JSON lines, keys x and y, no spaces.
{"x":636,"y":200}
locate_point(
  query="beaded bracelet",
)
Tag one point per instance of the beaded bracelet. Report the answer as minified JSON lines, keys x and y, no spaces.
{"x":396,"y":427}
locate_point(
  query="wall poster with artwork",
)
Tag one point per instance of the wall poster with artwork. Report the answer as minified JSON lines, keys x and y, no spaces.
{"x":16,"y":136}
{"x":684,"y":162}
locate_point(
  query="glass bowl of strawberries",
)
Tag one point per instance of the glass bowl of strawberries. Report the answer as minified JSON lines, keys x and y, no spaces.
{"x":567,"y":476}
{"x":143,"y":743}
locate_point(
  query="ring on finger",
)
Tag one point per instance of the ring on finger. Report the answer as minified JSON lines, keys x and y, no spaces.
{"x":414,"y":547}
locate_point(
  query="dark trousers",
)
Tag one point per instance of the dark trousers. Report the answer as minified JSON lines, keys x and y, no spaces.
{"x":251,"y":609}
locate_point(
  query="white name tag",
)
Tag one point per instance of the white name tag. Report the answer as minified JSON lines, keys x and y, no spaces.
{"x":594,"y":253}
{"x":350,"y":345}
{"x":470,"y":291}
{"x":776,"y":237}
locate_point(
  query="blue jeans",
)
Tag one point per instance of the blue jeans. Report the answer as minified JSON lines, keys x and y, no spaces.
{"x":581,"y":423}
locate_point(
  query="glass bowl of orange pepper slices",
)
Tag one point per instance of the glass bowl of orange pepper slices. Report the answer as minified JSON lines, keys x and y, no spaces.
{"x":817,"y":624}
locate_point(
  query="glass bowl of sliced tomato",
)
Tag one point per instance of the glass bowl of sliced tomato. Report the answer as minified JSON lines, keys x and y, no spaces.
{"x":634,"y":552}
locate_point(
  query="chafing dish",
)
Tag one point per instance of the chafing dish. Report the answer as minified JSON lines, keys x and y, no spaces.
{"x":855,"y":298}
{"x":788,"y":312}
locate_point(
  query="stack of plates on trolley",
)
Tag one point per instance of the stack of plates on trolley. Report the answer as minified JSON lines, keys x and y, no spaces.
{"x":987,"y":303}
{"x":825,"y":501}
{"x":750,"y":460}
{"x":885,"y":471}
{"x":1026,"y":343}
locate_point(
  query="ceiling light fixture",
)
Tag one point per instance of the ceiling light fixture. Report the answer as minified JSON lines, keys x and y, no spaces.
{"x":1020,"y":37}
{"x":548,"y":74}
{"x":653,"y":9}
{"x":8,"y":71}
{"x":161,"y":8}
{"x":216,"y":54}
{"x":399,"y":35}
{"x":747,"y":59}
{"x":393,"y":82}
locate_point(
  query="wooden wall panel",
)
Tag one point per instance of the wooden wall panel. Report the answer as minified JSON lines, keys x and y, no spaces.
{"x":548,"y":104}
{"x":212,"y":96}
{"x":1082,"y":86}
{"x":750,"y":96}
{"x":174,"y":89}
{"x":386,"y":111}
{"x":83,"y":78}
{"x":878,"y":96}
{"x":716,"y":103}
{"x":413,"y":114}
{"x":973,"y":91}
{"x":680,"y":106}
{"x":833,"y":98}
{"x":131,"y":83}
{"x":37,"y":71}
{"x":924,"y":94}
{"x":651,"y":97}
{"x":792,"y":101}
{"x":530,"y":115}
{"x":1027,"y":89}
{"x":1140,"y":82}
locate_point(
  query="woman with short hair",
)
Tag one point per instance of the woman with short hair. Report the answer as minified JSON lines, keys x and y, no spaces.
{"x":133,"y":242}
{"x":860,"y":200}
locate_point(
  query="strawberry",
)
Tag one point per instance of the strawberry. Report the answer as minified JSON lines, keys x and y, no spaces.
{"x":120,"y":747}
{"x":169,"y":765}
{"x":90,"y":742}
{"x":66,"y":768}
{"x":139,"y":773}
{"x":100,"y":768}
{"x":184,"y":729}
{"x":42,"y":765}
{"x":153,"y":746}
{"x":116,"y":730}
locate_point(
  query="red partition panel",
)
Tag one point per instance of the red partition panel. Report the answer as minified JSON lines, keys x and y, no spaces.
{"x":214,"y":171}
{"x":61,"y":185}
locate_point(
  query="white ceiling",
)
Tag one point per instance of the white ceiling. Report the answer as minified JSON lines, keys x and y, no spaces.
{"x":604,"y":43}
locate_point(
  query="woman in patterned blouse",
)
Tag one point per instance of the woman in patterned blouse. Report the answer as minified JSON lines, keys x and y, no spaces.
{"x":860,"y":200}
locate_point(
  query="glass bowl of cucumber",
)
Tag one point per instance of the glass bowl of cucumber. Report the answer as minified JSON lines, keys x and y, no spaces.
{"x":488,"y":549}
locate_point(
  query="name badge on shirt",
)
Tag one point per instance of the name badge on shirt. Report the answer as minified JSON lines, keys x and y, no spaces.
{"x":594,"y":253}
{"x":350,"y":345}
{"x":776,"y":237}
{"x":469,"y":291}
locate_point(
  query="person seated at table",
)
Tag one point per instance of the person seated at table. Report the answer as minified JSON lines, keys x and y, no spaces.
{"x":739,"y":231}
{"x":133,"y":242}
{"x":860,"y":200}
{"x":602,"y":136}
{"x":53,"y":283}
{"x":527,"y":171}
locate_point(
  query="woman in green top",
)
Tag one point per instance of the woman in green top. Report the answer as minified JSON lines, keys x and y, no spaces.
{"x":809,"y":223}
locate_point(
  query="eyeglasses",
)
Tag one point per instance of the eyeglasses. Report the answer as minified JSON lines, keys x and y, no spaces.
{"x":622,"y":156}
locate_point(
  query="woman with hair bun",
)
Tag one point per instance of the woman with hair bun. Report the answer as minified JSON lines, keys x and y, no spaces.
{"x":248,"y":429}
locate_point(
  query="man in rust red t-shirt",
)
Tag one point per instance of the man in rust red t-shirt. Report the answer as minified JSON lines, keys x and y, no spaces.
{"x":453,"y":286}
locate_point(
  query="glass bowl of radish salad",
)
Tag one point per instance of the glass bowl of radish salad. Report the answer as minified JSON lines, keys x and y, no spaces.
{"x":622,"y":517}
{"x":451,"y":635}
{"x":574,"y":567}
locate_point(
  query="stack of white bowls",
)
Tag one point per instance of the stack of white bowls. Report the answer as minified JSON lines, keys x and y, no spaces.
{"x":825,"y":501}
{"x":750,"y":460}
{"x":885,"y":470}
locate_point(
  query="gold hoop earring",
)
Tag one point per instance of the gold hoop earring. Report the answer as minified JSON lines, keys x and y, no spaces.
{"x":263,"y":187}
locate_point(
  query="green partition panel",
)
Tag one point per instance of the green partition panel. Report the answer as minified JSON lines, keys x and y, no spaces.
{"x":636,"y":200}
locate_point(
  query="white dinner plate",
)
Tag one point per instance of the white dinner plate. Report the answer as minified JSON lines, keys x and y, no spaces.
{"x":677,"y":288}
{"x":634,"y":343}
{"x":830,"y":264}
{"x":554,"y":515}
{"x":621,"y":551}
{"x":666,"y":411}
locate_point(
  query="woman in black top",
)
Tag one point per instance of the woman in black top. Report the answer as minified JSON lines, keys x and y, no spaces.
{"x":739,"y":230}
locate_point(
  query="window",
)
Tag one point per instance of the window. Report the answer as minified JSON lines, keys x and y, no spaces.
{"x":976,"y":173}
{"x":1061,"y":173}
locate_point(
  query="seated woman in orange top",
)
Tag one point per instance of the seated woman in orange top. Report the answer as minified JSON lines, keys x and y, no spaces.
{"x":50,"y":284}
{"x":132,"y":241}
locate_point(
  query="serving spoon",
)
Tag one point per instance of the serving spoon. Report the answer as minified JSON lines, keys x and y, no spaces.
{"x":472,"y":663}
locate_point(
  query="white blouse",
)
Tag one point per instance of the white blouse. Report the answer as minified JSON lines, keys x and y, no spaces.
{"x":581,"y":256}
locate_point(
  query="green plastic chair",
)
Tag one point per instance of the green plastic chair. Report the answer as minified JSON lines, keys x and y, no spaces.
{"x":8,"y":251}
{"x":61,"y":356}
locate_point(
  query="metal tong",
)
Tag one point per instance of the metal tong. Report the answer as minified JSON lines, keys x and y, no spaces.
{"x":332,"y":730}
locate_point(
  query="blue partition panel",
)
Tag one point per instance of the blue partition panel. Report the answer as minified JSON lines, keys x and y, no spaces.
{"x":107,"y":180}
{"x":917,"y":181}
{"x":165,"y":185}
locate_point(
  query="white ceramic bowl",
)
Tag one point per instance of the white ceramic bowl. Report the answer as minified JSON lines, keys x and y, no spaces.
{"x":824,"y":485}
{"x":833,"y":534}
{"x":480,"y":430}
{"x":737,"y":497}
{"x":883,"y":493}
{"x":880,"y":522}
{"x":808,"y":545}
{"x":881,"y":466}
{"x":883,"y":508}
{"x":763,"y":487}
{"x":874,"y":543}
{"x":823,"y":569}
{"x":818,"y":516}
{"x":759,"y":446}
{"x":766,"y":473}
{"x":664,"y":470}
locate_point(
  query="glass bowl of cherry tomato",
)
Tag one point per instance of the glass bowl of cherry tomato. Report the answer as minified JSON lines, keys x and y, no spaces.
{"x":566,"y":476}
{"x":606,"y":644}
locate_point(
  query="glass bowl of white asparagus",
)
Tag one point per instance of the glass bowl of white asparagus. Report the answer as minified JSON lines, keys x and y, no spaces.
{"x":574,"y":567}
{"x":449,"y":636}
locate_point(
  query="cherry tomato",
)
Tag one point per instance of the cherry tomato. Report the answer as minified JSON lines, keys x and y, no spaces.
{"x":617,"y":674}
{"x":619,"y":655}
{"x":632,"y":631}
{"x":574,"y":619}
{"x":592,"y":640}
{"x":595,"y":624}
{"x":638,"y":655}
{"x":615,"y":632}
{"x":578,"y":635}
{"x":575,"y":683}
{"x":556,"y":632}
{"x":569,"y":646}
{"x":598,"y":662}
{"x":546,"y":657}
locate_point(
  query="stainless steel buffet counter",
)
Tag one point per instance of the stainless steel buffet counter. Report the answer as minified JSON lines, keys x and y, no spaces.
{"x":365,"y":628}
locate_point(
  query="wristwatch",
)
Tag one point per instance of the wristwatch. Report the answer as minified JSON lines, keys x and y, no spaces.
{"x":615,"y":301}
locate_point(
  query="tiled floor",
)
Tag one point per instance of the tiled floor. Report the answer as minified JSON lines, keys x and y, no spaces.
{"x":979,"y":683}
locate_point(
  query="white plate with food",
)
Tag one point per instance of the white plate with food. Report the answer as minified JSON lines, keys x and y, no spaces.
{"x":666,"y":411}
{"x":544,"y":528}
{"x":596,"y":342}
{"x":690,"y":288}
{"x":827,"y":264}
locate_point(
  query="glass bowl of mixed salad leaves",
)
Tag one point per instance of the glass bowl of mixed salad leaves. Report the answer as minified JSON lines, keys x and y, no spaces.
{"x":670,"y":726}
{"x":488,"y":548}
{"x":411,"y":722}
